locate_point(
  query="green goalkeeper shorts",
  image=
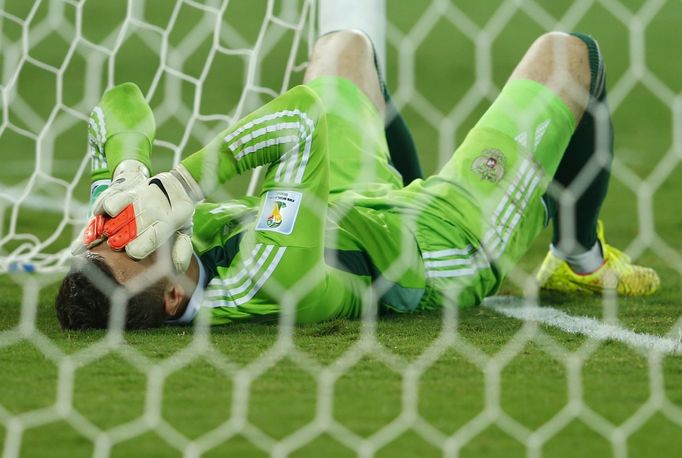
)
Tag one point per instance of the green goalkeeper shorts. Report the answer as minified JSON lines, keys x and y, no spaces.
{"x":359,"y":159}
{"x":480,"y":213}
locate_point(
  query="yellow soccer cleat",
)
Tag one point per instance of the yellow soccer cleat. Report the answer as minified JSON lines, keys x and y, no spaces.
{"x":617,"y":272}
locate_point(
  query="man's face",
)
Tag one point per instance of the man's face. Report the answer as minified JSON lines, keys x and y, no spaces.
{"x":139,"y":275}
{"x":124,"y":267}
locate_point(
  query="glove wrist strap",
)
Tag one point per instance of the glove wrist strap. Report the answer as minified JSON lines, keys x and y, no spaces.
{"x":131,"y":165}
{"x":188,"y":182}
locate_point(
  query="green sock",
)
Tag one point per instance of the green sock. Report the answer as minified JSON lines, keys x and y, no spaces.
{"x":401,"y":145}
{"x":581,"y":149}
{"x":400,"y":142}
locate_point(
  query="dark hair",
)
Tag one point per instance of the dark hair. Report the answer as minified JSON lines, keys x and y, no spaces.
{"x":80,"y":304}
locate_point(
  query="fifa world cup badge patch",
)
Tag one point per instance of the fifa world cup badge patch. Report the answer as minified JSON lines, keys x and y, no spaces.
{"x":278,"y":211}
{"x":489,"y":165}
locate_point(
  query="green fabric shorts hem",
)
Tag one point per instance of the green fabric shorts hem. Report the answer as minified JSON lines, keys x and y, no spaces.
{"x":358,"y":153}
{"x":482,"y":211}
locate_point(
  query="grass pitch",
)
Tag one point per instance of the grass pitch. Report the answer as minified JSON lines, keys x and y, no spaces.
{"x":623,"y":401}
{"x":534,"y":387}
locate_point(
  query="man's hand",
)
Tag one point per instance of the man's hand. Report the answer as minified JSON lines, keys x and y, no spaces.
{"x":128,"y":175}
{"x":91,"y":235}
{"x":148,"y":215}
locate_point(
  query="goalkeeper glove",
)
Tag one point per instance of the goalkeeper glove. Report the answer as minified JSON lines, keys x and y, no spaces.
{"x":128,"y":175}
{"x":91,"y":235}
{"x":145,"y":217}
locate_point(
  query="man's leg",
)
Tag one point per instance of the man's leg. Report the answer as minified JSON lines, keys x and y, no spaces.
{"x":493,"y":185}
{"x":583,"y":176}
{"x":572,"y":67}
{"x":482,"y":211}
{"x":510,"y":156}
{"x":579,"y":256}
{"x":349,"y":54}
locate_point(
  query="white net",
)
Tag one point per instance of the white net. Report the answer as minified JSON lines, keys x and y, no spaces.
{"x":199,"y":65}
{"x":591,"y":376}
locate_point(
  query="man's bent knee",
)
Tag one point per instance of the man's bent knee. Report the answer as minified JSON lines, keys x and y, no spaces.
{"x":559,"y":61}
{"x":346,"y":38}
{"x":348,"y":54}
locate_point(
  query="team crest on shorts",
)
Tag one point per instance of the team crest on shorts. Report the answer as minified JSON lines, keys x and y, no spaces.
{"x":489,"y":165}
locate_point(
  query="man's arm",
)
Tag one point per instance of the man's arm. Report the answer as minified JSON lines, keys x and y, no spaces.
{"x":121,"y":127}
{"x":120,"y":134}
{"x":281,"y":131}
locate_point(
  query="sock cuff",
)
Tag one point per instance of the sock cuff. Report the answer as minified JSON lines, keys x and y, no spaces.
{"x":582,"y":262}
{"x":597,"y":67}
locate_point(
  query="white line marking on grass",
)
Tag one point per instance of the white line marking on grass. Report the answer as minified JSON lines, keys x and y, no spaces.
{"x":515,"y":307}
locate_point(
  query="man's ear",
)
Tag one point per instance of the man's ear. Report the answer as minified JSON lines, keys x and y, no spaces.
{"x":173,"y":299}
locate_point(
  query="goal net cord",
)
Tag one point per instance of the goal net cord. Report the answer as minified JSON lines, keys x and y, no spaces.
{"x":39,"y":189}
{"x":22,"y":250}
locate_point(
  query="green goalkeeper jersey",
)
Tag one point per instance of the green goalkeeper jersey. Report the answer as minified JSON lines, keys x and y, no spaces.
{"x":304,"y":242}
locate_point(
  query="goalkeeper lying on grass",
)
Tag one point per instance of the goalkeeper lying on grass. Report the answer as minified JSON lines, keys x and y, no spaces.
{"x":334,"y":230}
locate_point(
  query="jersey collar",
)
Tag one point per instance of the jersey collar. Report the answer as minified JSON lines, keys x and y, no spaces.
{"x":195,"y":301}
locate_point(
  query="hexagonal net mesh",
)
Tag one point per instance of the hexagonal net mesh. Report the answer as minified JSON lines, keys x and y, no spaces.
{"x":199,"y":64}
{"x":205,"y":64}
